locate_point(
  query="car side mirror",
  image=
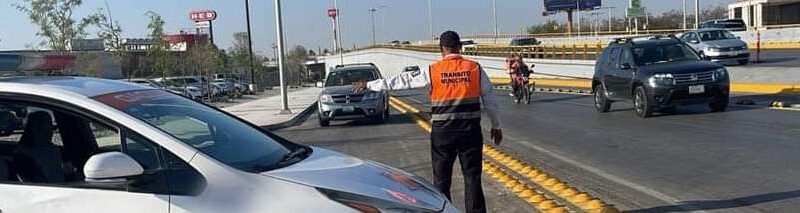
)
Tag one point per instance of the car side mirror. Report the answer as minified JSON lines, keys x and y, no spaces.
{"x":111,"y":167}
{"x":625,"y":66}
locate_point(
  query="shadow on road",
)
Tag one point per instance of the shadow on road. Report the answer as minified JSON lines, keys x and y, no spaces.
{"x":565,"y":98}
{"x":701,"y":205}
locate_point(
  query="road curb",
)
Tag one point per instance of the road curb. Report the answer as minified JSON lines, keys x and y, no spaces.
{"x":296,"y":120}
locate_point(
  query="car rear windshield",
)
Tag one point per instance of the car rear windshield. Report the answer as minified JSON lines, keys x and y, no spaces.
{"x":661,"y":53}
{"x":350,"y":76}
{"x":212,"y":132}
{"x":715,"y":35}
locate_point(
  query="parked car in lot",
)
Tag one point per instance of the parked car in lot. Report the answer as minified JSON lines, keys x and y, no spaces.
{"x":95,"y":145}
{"x":657,"y":74}
{"x":727,"y":24}
{"x":717,"y":45}
{"x":190,"y":91}
{"x":337,"y":100}
{"x":523,"y":41}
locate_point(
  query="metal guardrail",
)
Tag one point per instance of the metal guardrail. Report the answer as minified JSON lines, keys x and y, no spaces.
{"x":561,"y":52}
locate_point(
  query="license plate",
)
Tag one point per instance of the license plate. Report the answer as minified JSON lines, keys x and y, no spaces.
{"x":697,"y":89}
{"x":348,"y":109}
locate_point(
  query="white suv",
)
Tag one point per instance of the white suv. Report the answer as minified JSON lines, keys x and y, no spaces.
{"x":92,"y":145}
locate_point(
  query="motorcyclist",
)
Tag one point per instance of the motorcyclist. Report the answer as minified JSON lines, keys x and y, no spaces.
{"x":518,"y":72}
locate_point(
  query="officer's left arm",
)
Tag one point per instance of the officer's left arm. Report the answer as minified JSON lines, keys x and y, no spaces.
{"x":487,"y":99}
{"x":402,"y":81}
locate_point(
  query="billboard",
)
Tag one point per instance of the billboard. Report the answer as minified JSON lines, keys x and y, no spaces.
{"x":562,"y":5}
{"x":87,"y":45}
{"x":203,"y":15}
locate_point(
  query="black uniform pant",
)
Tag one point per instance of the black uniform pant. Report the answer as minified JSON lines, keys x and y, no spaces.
{"x":468,"y":147}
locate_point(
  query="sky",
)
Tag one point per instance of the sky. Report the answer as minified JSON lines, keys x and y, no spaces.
{"x":306,"y":22}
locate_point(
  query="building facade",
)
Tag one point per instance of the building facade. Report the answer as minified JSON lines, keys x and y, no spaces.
{"x":763,"y":14}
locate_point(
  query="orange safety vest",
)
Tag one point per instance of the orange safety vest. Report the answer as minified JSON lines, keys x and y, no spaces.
{"x":455,"y":91}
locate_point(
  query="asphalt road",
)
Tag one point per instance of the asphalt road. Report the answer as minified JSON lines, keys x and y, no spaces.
{"x":743,"y":160}
{"x":779,"y":58}
{"x":399,"y":143}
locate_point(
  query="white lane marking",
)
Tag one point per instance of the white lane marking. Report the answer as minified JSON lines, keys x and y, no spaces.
{"x":613,"y":178}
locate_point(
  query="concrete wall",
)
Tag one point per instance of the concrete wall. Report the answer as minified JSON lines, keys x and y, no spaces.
{"x":391,"y":62}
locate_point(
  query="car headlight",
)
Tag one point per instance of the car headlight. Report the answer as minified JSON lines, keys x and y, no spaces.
{"x":713,"y":49}
{"x":372,"y":205}
{"x":720,"y":74}
{"x":325,"y":99}
{"x":661,"y":79}
{"x":372,"y":95}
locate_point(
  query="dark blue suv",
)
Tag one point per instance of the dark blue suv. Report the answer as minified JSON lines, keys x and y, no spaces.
{"x":657,"y":73}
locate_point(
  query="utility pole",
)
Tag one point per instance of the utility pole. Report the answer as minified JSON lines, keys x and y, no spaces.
{"x":372,"y":18}
{"x":430,"y":19}
{"x":494,"y":15}
{"x":684,"y":14}
{"x":696,"y":13}
{"x":279,"y":26}
{"x":250,"y":43}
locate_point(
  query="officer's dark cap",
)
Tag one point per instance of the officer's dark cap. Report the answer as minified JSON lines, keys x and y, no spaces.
{"x":450,"y":39}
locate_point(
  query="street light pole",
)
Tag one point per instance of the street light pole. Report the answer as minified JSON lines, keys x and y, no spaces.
{"x":609,"y":18}
{"x":696,"y":13}
{"x":494,"y":19}
{"x":684,"y":14}
{"x":578,"y":12}
{"x":430,"y":19}
{"x":279,"y":26}
{"x":339,"y":31}
{"x":372,"y":21}
{"x":250,"y":42}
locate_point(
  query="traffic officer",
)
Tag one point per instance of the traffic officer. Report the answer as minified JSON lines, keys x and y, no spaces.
{"x":459,"y":91}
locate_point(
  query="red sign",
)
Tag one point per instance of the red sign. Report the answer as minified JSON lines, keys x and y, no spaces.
{"x":203,"y":15}
{"x":332,"y":12}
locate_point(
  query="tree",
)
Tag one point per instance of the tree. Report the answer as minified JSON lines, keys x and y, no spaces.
{"x":205,"y":59}
{"x":110,"y":31}
{"x":158,"y":57}
{"x":296,"y":64}
{"x":239,"y":53}
{"x":312,"y":53}
{"x":325,"y":51}
{"x":667,"y":20}
{"x":55,"y":21}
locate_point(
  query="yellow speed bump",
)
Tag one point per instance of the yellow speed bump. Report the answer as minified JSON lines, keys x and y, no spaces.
{"x":558,"y":188}
{"x":520,"y":189}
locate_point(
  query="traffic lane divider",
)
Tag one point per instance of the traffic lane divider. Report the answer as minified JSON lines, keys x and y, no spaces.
{"x":515,"y":176}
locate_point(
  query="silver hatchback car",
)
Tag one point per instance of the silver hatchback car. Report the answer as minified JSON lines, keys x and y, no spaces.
{"x":717,"y":45}
{"x":338,"y":101}
{"x":93,"y":145}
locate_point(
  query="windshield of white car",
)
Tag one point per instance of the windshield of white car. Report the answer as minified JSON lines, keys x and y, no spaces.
{"x":662,"y":53}
{"x":715,"y":35}
{"x":211,"y":131}
{"x":350,"y":76}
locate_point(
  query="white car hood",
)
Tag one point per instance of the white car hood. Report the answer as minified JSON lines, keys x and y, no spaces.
{"x":335,"y":171}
